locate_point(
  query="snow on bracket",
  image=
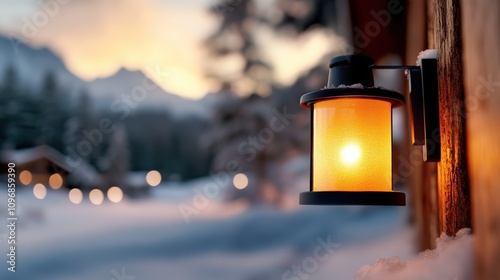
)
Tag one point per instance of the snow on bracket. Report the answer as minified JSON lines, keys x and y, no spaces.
{"x":430,"y":53}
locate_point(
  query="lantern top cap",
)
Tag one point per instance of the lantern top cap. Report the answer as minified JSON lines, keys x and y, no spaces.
{"x":351,"y":76}
{"x":350,"y":60}
{"x":376,"y":93}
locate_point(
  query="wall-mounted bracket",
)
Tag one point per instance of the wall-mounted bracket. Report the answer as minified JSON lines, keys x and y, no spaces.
{"x":425,"y":109}
{"x":423,"y":81}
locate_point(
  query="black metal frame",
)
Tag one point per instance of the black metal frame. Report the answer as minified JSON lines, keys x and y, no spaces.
{"x":424,"y":98}
{"x":392,"y":198}
{"x":395,"y":98}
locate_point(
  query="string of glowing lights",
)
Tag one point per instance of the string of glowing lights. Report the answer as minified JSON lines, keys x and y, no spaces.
{"x":115,"y":194}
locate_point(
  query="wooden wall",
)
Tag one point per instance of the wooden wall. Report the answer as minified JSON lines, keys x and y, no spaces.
{"x":481,"y":56}
{"x":441,"y":192}
{"x":453,"y":180}
{"x":423,"y":181}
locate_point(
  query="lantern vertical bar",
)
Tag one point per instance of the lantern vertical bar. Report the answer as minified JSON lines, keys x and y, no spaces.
{"x":311,"y":156}
{"x":392,"y":148}
{"x":417,"y":107}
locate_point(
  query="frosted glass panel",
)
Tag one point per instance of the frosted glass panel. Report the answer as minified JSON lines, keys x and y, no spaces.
{"x":352,"y":142}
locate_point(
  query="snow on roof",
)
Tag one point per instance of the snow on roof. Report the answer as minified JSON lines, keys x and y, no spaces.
{"x":28,"y":155}
{"x":452,"y":259}
{"x":430,"y":53}
{"x":83,"y":172}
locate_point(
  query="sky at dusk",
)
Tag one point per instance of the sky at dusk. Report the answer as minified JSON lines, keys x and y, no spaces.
{"x":95,"y":38}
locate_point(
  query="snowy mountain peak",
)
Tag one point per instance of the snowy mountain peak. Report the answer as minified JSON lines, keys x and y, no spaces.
{"x":33,"y":63}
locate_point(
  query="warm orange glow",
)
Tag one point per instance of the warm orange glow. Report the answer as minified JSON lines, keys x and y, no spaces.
{"x":352,"y":145}
{"x":25,"y":177}
{"x":40,"y":191}
{"x":115,"y":194}
{"x":55,"y":181}
{"x":96,"y":196}
{"x":350,"y":154}
{"x":153,"y":178}
{"x":75,"y":196}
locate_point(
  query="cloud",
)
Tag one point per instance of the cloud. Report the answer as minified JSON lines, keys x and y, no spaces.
{"x":97,"y":37}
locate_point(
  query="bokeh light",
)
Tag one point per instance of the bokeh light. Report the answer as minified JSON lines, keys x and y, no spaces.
{"x":96,"y":197}
{"x":240,"y":181}
{"x":25,"y":177}
{"x":55,"y":181}
{"x":115,"y":194}
{"x":75,"y":196}
{"x":40,"y":191}
{"x":153,"y":178}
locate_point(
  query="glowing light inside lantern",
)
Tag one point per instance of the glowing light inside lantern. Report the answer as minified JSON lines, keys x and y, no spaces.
{"x":352,"y":145}
{"x":350,"y":154}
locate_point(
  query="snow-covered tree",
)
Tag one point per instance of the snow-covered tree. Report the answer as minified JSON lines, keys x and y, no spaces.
{"x":9,"y":91}
{"x":249,"y":132}
{"x":79,"y":121}
{"x":52,"y":118}
{"x":115,"y":163}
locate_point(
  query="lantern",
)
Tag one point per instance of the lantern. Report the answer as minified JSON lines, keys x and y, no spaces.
{"x":351,"y":137}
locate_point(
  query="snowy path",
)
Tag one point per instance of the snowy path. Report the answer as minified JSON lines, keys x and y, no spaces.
{"x":150,"y":240}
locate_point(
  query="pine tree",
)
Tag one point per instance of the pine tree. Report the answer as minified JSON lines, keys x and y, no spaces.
{"x":9,"y":107}
{"x":52,"y":119}
{"x":116,"y":160}
{"x":78,"y":122}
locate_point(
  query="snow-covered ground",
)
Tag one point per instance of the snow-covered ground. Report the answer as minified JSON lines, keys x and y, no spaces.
{"x":149,"y":239}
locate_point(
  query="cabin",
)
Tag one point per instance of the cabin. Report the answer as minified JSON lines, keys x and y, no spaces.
{"x":45,"y":165}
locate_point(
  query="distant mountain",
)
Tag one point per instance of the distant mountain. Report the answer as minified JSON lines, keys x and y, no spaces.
{"x":135,"y":84}
{"x":33,"y":63}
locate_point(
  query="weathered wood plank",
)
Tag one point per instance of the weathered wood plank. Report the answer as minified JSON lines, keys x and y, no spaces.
{"x":423,"y":181}
{"x":453,"y":183}
{"x":481,"y":37}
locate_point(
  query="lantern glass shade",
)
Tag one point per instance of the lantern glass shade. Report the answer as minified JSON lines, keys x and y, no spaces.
{"x":352,"y":145}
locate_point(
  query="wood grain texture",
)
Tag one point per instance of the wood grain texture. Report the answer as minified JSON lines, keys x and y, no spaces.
{"x":453,"y":183}
{"x":481,"y":30}
{"x":423,"y":181}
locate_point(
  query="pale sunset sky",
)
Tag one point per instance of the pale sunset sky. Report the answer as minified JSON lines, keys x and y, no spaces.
{"x":95,"y":38}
